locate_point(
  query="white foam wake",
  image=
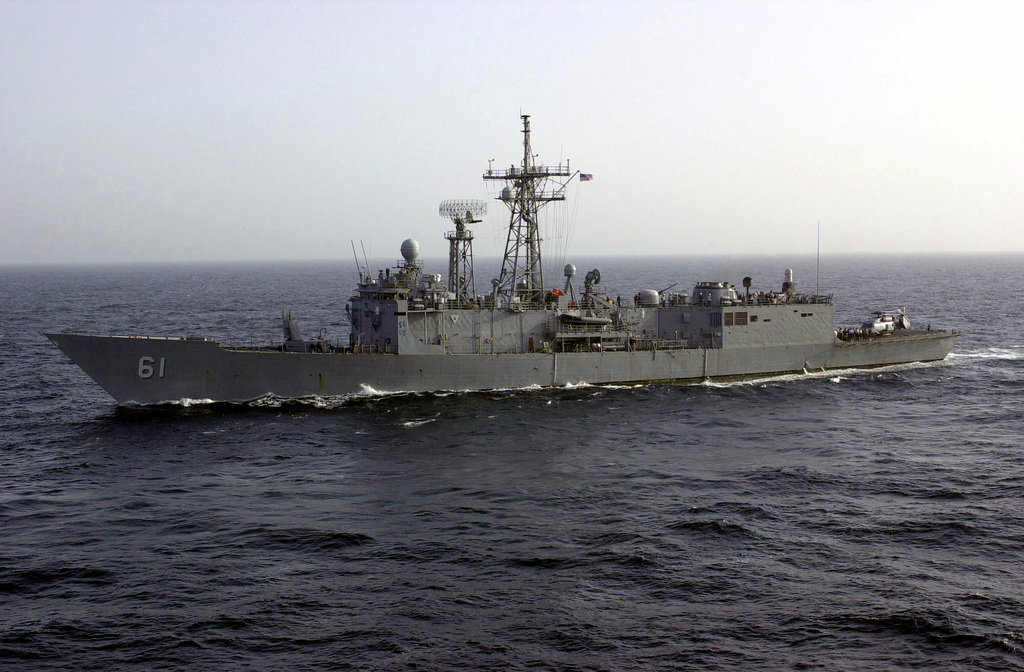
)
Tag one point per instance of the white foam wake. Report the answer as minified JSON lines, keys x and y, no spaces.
{"x":1004,"y":353}
{"x":832,"y":375}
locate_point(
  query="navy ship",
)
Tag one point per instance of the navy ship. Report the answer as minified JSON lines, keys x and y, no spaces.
{"x":413,"y":331}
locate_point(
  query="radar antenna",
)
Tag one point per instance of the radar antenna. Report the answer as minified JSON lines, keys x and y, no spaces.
{"x":460,"y":255}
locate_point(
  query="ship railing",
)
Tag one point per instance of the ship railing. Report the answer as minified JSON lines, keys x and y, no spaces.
{"x":464,"y":350}
{"x":524,"y":306}
{"x":632,"y":345}
{"x":658,"y":344}
{"x":557,"y":195}
{"x":772,"y":299}
{"x":533,"y":172}
{"x":584,"y":328}
{"x":481,"y":347}
{"x":367,"y":349}
{"x":468,"y":304}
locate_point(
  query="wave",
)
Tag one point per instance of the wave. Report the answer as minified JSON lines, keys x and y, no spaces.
{"x":419,"y":423}
{"x":185,"y":402}
{"x":1001,"y":353}
{"x":832,"y":375}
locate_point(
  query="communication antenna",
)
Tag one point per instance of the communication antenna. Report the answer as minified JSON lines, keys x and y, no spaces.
{"x":461,"y":281}
{"x":357,"y":260}
{"x":525,"y":192}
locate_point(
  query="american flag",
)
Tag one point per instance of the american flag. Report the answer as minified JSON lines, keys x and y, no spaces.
{"x":586,"y":177}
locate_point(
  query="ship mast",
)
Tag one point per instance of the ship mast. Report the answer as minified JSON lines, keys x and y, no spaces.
{"x":460,"y":247}
{"x":522,"y":278}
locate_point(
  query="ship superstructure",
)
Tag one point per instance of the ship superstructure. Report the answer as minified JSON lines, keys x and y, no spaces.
{"x":404,"y":311}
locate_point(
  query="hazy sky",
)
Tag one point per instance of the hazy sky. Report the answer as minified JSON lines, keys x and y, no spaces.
{"x":137,"y":131}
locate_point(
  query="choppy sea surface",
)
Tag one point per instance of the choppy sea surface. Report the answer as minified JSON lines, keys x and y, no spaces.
{"x":840,"y":521}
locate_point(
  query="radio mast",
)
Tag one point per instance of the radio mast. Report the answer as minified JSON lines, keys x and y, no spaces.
{"x":522,"y":278}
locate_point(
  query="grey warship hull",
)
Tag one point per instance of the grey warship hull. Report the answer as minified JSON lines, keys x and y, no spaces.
{"x":140,"y":370}
{"x":413,"y":332}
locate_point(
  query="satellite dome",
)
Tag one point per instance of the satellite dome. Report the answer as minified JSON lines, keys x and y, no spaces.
{"x":410,"y":249}
{"x":569,"y":271}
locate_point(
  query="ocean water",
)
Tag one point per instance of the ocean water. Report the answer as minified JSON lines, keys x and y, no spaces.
{"x":840,"y":521}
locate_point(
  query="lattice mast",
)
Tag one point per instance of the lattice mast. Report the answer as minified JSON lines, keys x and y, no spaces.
{"x":522,"y":276}
{"x":460,"y":247}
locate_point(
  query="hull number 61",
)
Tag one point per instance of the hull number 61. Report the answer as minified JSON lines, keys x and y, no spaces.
{"x":148,"y":366}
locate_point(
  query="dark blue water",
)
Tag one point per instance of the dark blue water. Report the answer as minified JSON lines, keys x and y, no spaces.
{"x":843,"y":521}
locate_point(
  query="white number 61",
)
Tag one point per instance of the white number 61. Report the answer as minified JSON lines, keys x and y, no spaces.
{"x":146,"y":369}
